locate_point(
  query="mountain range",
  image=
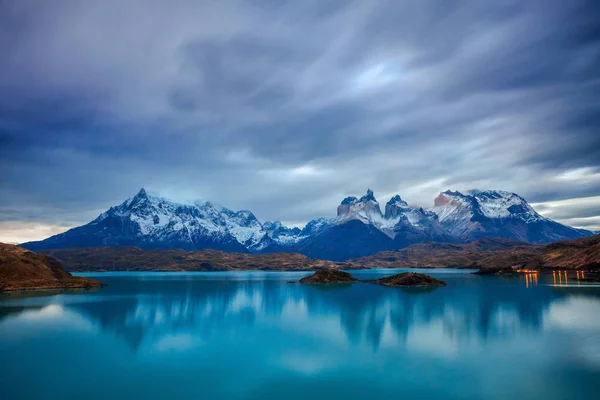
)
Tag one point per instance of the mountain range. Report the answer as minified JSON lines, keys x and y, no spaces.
{"x":360,"y":228}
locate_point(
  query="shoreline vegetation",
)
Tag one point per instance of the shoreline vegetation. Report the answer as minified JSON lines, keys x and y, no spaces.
{"x":21,"y":269}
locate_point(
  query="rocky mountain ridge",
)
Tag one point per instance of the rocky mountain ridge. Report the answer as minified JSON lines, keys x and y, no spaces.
{"x":360,"y":228}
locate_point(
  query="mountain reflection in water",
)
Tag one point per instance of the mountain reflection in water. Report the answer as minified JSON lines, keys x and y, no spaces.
{"x":260,"y":324}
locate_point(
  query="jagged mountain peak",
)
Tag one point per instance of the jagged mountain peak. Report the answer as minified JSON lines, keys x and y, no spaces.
{"x":349,"y":200}
{"x":365,"y":209}
{"x":150,"y":221}
{"x":272,"y":224}
{"x":281,"y":234}
{"x":316,"y":226}
{"x":395,"y":207}
{"x":369,"y":196}
{"x":397,"y":200}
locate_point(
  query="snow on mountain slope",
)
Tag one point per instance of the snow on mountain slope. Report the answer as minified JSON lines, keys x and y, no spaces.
{"x":399,"y":217}
{"x":153,"y":222}
{"x":361,"y":228}
{"x":496,"y":213}
{"x":281,"y":234}
{"x":316,"y":226}
{"x":407,"y":225}
{"x":501,"y":204}
{"x":244,"y":226}
{"x":366,"y":209}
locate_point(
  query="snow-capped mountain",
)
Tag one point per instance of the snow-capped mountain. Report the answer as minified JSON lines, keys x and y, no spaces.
{"x":360,"y":227}
{"x":401,"y":222}
{"x":366,"y":209}
{"x":412,"y":224}
{"x":152,"y":222}
{"x":496,"y":213}
{"x":281,"y":234}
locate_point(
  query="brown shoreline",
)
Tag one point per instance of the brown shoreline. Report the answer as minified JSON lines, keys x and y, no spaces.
{"x":22,"y":270}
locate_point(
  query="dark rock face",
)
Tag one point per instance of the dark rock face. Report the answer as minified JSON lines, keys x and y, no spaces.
{"x":409,"y":279}
{"x":345,"y":241}
{"x":329,"y":276}
{"x":394,"y":207}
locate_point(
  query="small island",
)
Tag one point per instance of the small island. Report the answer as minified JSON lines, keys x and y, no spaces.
{"x":398,"y":280}
{"x":329,"y":276}
{"x":21,"y":269}
{"x":409,"y":279}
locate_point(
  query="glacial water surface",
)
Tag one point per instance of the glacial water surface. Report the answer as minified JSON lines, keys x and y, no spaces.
{"x":252,"y":335}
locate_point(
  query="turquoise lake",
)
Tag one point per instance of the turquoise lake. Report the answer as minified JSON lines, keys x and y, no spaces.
{"x":253,"y":335}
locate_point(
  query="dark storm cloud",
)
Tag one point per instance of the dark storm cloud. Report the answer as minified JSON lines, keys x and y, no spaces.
{"x":284,"y":107}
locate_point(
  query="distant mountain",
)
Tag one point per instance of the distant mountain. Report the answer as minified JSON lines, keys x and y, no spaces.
{"x":359,"y":229}
{"x":413,"y":225}
{"x":152,"y":222}
{"x":495,"y":213}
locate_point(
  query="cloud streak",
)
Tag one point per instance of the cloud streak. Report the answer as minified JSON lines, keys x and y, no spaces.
{"x":286,"y":107}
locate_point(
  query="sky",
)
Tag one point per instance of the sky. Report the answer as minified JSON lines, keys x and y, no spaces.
{"x":286,"y":107}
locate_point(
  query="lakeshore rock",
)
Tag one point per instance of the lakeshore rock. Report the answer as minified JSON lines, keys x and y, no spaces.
{"x":329,"y":276}
{"x":409,"y":279}
{"x":21,"y":269}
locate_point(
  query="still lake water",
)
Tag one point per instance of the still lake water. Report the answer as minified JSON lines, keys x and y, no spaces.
{"x":251,"y":335}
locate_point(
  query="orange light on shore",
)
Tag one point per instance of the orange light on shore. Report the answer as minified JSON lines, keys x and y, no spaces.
{"x":531,"y":276}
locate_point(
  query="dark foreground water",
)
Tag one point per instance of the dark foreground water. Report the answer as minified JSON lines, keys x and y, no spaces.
{"x":251,"y":335}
